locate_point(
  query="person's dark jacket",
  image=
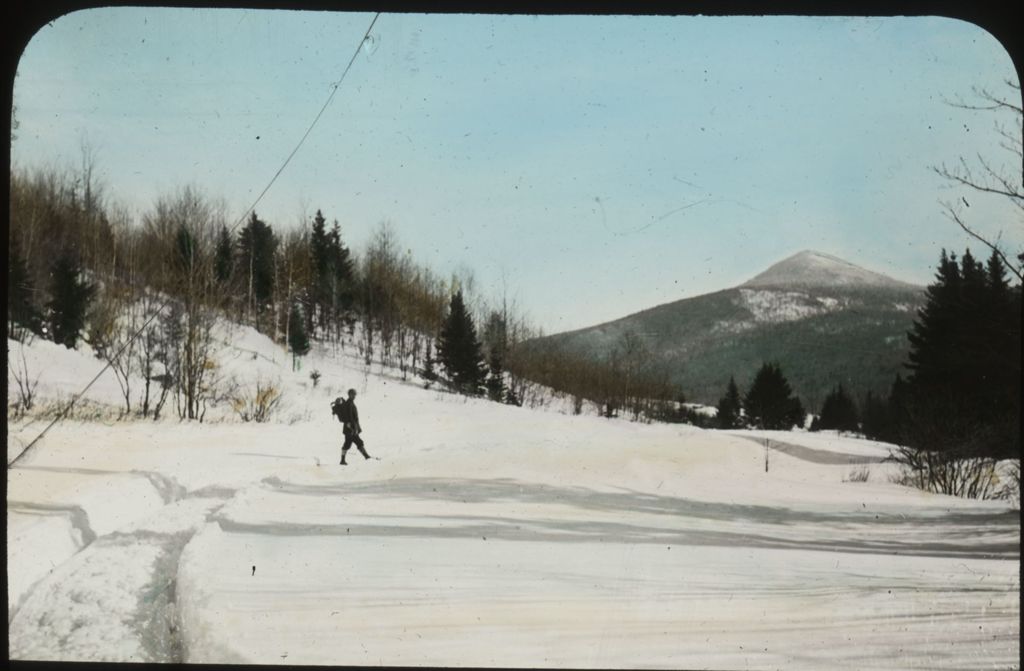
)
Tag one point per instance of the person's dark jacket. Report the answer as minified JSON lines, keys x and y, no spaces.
{"x":352,"y":425}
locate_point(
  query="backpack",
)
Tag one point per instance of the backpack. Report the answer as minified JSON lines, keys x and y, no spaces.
{"x":342,"y":410}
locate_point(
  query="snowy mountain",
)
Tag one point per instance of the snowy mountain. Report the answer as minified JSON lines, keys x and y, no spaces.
{"x":815,"y":270}
{"x":486,"y":535}
{"x":825,"y":320}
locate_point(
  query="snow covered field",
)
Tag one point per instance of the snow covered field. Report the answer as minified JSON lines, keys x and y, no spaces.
{"x":485,"y":535}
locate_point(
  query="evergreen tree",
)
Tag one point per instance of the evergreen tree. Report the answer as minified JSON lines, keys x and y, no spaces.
{"x":429,"y":373}
{"x":69,"y":302}
{"x":257,"y":245}
{"x":963,"y":393}
{"x":459,"y":350}
{"x":874,"y":418}
{"x":341,"y":273}
{"x":511,"y":398}
{"x":933,"y":335}
{"x":298,"y":339}
{"x":496,"y":378}
{"x":838,"y":412}
{"x":21,"y":309}
{"x":333,"y":272}
{"x":770,"y":404}
{"x":186,"y":252}
{"x":320,"y":252}
{"x":728,"y":416}
{"x":224,"y":261}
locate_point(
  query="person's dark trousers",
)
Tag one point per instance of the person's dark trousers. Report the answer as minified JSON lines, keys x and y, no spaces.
{"x":353,"y":438}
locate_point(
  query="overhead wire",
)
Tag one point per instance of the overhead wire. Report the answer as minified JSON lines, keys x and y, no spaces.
{"x":334,"y":90}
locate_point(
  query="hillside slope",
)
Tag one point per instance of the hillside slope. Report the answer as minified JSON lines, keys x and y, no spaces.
{"x":824,"y":320}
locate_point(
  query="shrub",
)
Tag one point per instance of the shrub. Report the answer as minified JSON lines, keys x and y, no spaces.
{"x":256,"y":405}
{"x":947,"y":472}
{"x":858,"y":475}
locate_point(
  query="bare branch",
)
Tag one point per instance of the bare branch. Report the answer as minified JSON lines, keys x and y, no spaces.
{"x":952,"y":213}
{"x":996,"y":103}
{"x":967,"y":179}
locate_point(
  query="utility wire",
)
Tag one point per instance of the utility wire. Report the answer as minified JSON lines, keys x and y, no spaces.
{"x":334,"y":90}
{"x":302,"y":140}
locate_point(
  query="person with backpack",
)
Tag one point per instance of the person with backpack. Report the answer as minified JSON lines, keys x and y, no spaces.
{"x":348,"y":415}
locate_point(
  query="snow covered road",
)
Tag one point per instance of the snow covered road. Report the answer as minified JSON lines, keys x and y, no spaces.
{"x":499,"y":573}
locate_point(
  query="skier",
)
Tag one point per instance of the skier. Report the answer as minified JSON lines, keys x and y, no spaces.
{"x":348,"y":414}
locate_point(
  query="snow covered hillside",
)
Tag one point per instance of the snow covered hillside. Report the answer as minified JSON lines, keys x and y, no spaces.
{"x":485,"y":535}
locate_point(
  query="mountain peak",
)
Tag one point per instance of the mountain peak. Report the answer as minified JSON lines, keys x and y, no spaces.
{"x":810,"y":268}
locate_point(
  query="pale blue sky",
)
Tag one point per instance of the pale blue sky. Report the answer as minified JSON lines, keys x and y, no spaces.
{"x":595,"y":165}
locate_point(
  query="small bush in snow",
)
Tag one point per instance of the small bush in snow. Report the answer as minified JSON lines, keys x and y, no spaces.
{"x":961,"y":475}
{"x":858,"y":475}
{"x":256,"y":404}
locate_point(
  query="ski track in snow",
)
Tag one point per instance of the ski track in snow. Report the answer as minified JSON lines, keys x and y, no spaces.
{"x":491,"y":535}
{"x":111,"y":598}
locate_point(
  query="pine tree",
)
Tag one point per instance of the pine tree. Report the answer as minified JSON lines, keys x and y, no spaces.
{"x":496,"y":378}
{"x":874,"y":418}
{"x":728,"y":416}
{"x":224,"y":260}
{"x":69,"y":302}
{"x":333,"y":272}
{"x":770,"y":404}
{"x":257,"y":245}
{"x":21,"y":310}
{"x":298,"y":339}
{"x":963,"y":392}
{"x":459,"y":350}
{"x":319,"y":251}
{"x":838,"y":412}
{"x":933,"y":335}
{"x":429,"y":373}
{"x":341,"y":273}
{"x":511,"y":398}
{"x":186,"y":252}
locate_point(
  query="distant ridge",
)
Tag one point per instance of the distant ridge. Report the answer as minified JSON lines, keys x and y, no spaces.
{"x":825,"y":320}
{"x":811,"y":268}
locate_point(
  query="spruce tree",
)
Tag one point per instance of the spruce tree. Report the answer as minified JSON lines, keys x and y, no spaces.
{"x":70,"y":298}
{"x":459,"y":350}
{"x":496,"y":378}
{"x":224,"y":260}
{"x":429,"y":373}
{"x":341,"y":272}
{"x":728,"y":416}
{"x":962,"y":395}
{"x":933,"y":337}
{"x":298,"y":339}
{"x":319,"y":251}
{"x":874,"y":418}
{"x":838,"y":412}
{"x":770,"y":404}
{"x":257,"y":245}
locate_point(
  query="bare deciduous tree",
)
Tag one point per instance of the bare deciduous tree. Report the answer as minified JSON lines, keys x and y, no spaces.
{"x":182,"y":230}
{"x":981,"y":176}
{"x":26,"y":392}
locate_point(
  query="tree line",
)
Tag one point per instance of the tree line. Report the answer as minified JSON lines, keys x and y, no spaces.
{"x":81,"y":268}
